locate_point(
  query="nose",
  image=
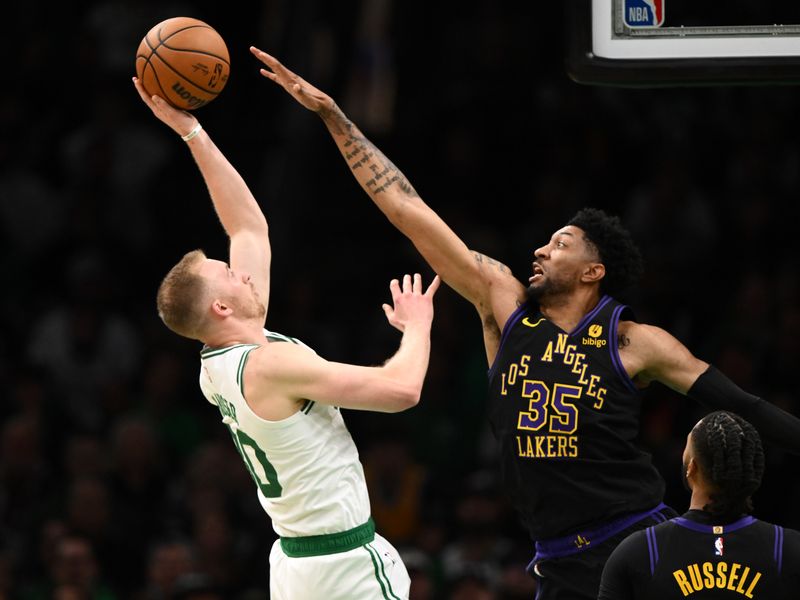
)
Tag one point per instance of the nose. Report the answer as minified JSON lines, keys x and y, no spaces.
{"x":540,"y":252}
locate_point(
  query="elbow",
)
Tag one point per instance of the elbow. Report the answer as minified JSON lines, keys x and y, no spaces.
{"x":406,"y":398}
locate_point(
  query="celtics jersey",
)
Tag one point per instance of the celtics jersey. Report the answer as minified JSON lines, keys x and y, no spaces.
{"x":306,"y":468}
{"x":692,"y":557}
{"x":566,"y":415}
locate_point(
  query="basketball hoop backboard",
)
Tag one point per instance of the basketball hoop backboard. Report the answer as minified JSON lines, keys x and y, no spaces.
{"x":683,"y":42}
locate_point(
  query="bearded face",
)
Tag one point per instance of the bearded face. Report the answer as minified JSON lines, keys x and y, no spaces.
{"x":247,"y":304}
{"x":552,"y":285}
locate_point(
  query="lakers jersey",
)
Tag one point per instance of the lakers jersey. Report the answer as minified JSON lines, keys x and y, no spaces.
{"x":306,"y":467}
{"x":690,"y":557}
{"x":566,"y":415}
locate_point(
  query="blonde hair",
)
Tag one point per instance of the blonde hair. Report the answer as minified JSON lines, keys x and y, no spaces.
{"x":180,"y":297}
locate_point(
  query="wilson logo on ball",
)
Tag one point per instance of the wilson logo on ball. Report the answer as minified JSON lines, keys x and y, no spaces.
{"x":186,"y":96}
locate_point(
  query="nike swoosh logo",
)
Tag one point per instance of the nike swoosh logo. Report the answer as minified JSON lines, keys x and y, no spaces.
{"x":527,"y":322}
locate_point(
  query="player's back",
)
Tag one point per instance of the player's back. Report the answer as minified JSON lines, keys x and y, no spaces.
{"x":306,"y":467}
{"x":690,"y":558}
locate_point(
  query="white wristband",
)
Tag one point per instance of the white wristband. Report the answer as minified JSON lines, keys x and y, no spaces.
{"x":192,"y":133}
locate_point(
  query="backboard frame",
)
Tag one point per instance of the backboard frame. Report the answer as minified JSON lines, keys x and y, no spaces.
{"x":756,"y":55}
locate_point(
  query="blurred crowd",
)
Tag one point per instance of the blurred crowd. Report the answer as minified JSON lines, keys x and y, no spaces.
{"x":116,"y":479}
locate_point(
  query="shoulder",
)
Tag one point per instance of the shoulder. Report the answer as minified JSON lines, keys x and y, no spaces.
{"x":651,"y":353}
{"x":643,"y":335}
{"x":631,"y":546}
{"x":791,"y":540}
{"x":277,"y":358}
{"x":624,"y":568}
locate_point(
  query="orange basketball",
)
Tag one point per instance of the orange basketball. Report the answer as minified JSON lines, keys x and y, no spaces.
{"x":183,"y":60}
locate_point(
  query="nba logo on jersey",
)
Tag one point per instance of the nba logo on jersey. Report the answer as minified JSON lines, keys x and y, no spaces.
{"x":643,"y":13}
{"x":718,"y":547}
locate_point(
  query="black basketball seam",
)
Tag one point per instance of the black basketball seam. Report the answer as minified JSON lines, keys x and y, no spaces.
{"x":182,"y":76}
{"x":196,"y":51}
{"x":173,"y":69}
{"x":146,"y":40}
{"x":158,"y":81}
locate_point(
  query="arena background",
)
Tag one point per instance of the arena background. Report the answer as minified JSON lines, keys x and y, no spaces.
{"x":115,"y":474}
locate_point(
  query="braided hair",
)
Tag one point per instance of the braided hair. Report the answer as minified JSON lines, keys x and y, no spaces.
{"x":615,"y":248}
{"x":729,"y":453}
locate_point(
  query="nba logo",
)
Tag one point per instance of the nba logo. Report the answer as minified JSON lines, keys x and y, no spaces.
{"x":719,"y":547}
{"x":643,"y":13}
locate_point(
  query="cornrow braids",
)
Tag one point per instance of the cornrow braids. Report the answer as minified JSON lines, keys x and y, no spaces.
{"x":729,"y":452}
{"x":615,"y":248}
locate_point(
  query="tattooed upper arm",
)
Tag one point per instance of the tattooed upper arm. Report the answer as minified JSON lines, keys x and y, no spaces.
{"x":482,"y":259}
{"x":623,"y":341}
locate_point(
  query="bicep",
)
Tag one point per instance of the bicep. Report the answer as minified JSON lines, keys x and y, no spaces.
{"x":300,"y":374}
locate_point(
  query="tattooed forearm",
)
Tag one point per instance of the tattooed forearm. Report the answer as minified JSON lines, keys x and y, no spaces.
{"x":335,"y":120}
{"x":483,"y":259}
{"x":623,"y":340}
{"x":359,"y":152}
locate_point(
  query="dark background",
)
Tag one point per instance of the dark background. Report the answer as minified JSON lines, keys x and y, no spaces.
{"x":116,"y":478}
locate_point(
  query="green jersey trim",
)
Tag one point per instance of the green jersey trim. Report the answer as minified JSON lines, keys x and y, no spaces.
{"x":240,"y":370}
{"x":330,"y":543}
{"x":209,"y":352}
{"x":272,"y":335}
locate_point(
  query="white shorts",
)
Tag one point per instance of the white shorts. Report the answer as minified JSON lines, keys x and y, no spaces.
{"x":372,"y":571}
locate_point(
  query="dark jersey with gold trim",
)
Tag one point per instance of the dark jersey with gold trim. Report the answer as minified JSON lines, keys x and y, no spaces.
{"x":566,"y":415}
{"x":691,"y":557}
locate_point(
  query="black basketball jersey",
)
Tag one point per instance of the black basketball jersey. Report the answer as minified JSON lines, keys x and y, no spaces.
{"x":689,"y":557}
{"x":566,"y":415}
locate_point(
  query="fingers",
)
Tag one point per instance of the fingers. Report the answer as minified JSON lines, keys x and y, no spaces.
{"x":263,"y":56}
{"x":433,"y":286}
{"x":140,"y":88}
{"x":272,"y":62}
{"x":152,"y":101}
{"x":394,"y":287}
{"x":414,"y":286}
{"x":417,"y":286}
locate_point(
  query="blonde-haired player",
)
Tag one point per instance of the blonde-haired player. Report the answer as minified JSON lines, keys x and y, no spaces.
{"x":281,"y":401}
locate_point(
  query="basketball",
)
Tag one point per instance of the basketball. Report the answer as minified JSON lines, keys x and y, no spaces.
{"x":183,"y":60}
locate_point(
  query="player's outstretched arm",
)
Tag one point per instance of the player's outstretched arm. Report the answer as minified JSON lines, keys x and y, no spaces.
{"x":665,"y":359}
{"x":276,"y":372}
{"x":484,"y":282}
{"x":237,"y":209}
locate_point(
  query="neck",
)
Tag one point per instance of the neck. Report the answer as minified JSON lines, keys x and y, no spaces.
{"x":566,"y":310}
{"x":700,"y":498}
{"x":234,"y":333}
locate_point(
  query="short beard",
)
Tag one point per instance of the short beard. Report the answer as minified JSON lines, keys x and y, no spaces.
{"x":547,"y":289}
{"x":250,"y":308}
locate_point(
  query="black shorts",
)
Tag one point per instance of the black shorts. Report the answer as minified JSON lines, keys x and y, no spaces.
{"x":577,"y":576}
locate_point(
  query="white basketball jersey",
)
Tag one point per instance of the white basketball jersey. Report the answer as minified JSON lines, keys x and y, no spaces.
{"x":306,"y":467}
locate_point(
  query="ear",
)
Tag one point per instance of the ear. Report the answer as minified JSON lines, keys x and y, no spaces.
{"x":691,"y":469}
{"x":221,"y":309}
{"x":593,"y":272}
